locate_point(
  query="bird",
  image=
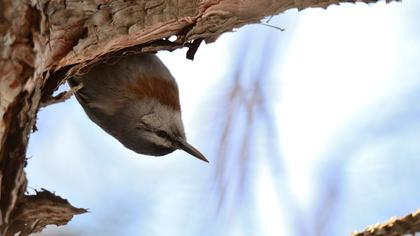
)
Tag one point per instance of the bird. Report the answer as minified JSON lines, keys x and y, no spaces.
{"x":135,"y":99}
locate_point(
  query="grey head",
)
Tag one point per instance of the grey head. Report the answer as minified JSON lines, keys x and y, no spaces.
{"x":158,"y":129}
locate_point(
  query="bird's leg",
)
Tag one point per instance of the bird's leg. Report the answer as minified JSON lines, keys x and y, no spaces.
{"x":63,"y":96}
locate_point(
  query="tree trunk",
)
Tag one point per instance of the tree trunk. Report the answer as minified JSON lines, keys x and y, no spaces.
{"x":45,"y":41}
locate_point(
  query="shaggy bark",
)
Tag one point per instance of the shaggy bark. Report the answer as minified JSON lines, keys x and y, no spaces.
{"x":43,"y":42}
{"x":407,"y":225}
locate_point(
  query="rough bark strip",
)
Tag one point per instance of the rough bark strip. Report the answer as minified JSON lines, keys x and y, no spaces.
{"x":42,"y":41}
{"x":409,"y":224}
{"x":37,"y":211}
{"x":16,"y":66}
{"x":115,"y":25}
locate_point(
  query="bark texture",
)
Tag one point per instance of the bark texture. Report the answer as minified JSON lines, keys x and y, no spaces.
{"x":407,"y":225}
{"x":43,"y":42}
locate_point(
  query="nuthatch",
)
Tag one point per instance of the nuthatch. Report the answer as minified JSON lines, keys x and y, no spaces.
{"x":135,"y":99}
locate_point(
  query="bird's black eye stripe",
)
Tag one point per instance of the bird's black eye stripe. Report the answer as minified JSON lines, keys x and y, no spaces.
{"x":162,"y":134}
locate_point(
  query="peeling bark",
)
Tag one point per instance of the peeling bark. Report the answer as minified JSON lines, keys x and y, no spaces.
{"x":407,"y":225}
{"x":40,"y":210}
{"x":45,"y":41}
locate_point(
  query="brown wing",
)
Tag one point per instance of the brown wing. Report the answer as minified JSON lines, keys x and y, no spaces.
{"x":164,"y":90}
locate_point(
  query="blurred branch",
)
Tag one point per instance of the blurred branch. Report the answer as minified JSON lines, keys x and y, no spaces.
{"x":409,"y":224}
{"x":246,"y":109}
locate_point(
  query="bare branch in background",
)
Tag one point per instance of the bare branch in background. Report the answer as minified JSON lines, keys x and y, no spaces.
{"x":245,"y":106}
{"x":247,"y":109}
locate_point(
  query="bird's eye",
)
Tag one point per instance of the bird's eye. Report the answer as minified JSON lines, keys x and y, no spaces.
{"x":162,"y":134}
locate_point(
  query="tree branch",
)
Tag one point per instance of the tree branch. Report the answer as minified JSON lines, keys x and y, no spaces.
{"x":409,"y":224}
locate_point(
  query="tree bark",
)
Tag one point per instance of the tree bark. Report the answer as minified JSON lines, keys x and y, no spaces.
{"x":46,"y":41}
{"x":407,"y":225}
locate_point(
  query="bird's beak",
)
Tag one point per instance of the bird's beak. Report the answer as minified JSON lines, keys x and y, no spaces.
{"x":191,"y":150}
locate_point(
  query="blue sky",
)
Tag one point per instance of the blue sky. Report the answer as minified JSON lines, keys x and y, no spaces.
{"x":342,"y":151}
